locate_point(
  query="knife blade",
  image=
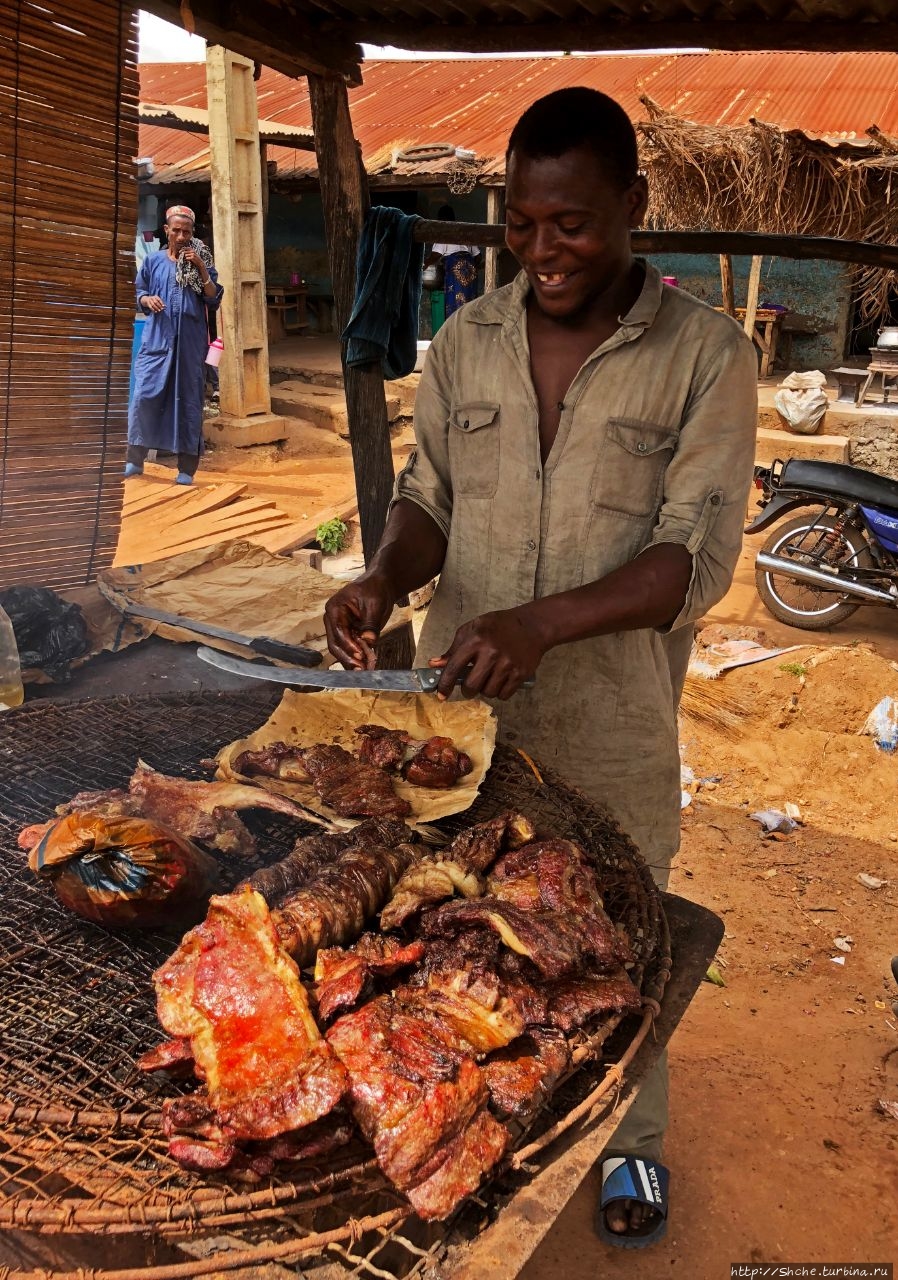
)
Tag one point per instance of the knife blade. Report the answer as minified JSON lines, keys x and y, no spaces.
{"x":280,"y":649}
{"x":422,"y":680}
{"x":418,"y":680}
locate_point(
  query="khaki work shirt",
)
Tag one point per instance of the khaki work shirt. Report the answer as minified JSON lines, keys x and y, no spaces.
{"x":656,"y":444}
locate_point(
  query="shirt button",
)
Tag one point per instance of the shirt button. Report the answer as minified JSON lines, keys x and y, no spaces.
{"x":640,"y":448}
{"x":715,"y":499}
{"x":537,"y":475}
{"x":531,"y":545}
{"x":466,"y":423}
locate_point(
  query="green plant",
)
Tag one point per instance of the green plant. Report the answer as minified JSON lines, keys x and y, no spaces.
{"x":794,"y":668}
{"x":331,"y":536}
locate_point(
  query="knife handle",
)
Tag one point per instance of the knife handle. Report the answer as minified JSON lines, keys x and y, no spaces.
{"x":284,"y":652}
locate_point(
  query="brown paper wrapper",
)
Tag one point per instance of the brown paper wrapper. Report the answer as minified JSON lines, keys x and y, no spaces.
{"x":304,"y":719}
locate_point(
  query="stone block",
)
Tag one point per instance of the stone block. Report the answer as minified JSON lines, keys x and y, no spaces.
{"x":773,"y":444}
{"x":258,"y":428}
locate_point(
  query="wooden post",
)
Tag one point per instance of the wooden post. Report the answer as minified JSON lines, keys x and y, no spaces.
{"x":494,"y":213}
{"x":345,"y":199}
{"x":751,"y":303}
{"x":726,"y":284}
{"x":239,"y":239}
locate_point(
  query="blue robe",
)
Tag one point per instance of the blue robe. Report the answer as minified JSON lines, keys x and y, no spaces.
{"x":166,"y":409}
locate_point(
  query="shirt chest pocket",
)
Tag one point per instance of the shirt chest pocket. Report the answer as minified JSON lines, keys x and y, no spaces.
{"x":629,"y":473}
{"x":474,"y":449}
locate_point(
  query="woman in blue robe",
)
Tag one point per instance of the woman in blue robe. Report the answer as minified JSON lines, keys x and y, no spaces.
{"x":176,"y":288}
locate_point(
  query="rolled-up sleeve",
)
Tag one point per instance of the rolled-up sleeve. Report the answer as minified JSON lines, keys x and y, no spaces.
{"x":425,"y":479}
{"x":707,"y":482}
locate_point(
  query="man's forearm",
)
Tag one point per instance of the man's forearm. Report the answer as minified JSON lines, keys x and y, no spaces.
{"x":648,"y":592}
{"x":411,"y":551}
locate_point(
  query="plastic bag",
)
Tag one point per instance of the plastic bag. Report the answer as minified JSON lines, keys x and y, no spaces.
{"x":801,"y":402}
{"x":882,"y":724}
{"x":49,"y":631}
{"x":124,"y":871}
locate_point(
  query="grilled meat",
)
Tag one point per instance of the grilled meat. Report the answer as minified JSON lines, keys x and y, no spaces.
{"x":351,"y":788}
{"x":174,"y":1056}
{"x":311,"y":854}
{"x":455,"y":869}
{"x":437,"y":763}
{"x":230,"y":990}
{"x":575,"y":1000}
{"x":555,"y":875}
{"x":341,"y":977}
{"x":476,"y":848}
{"x":332,"y":909}
{"x":385,"y":748}
{"x":552,"y":941}
{"x":201,"y":811}
{"x":277,"y":760}
{"x":469,"y":1008}
{"x":521,"y":1077}
{"x":428,"y":881}
{"x":420,"y":1100}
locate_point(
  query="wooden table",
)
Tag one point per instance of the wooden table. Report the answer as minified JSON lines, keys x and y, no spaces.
{"x":766,"y":334}
{"x":286,"y":310}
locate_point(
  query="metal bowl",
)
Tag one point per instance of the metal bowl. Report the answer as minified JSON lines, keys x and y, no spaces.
{"x":888,"y":337}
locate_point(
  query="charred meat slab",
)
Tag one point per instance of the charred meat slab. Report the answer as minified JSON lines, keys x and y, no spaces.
{"x":521,"y":1077}
{"x":421,"y":1102}
{"x":232,"y":992}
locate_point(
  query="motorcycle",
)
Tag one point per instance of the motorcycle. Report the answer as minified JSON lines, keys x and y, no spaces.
{"x":817,"y":569}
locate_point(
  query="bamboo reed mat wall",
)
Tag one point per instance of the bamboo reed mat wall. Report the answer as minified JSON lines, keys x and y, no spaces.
{"x":68,"y":218}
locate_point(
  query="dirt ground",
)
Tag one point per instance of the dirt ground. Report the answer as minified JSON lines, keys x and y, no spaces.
{"x":777,"y":1147}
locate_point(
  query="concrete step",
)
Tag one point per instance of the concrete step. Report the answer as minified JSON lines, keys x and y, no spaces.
{"x":314,"y":377}
{"x":324,"y":406}
{"x":786,"y":444}
{"x":261,"y":428}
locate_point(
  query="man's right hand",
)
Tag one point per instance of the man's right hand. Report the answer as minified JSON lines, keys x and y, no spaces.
{"x":153,"y":302}
{"x":354,"y":618}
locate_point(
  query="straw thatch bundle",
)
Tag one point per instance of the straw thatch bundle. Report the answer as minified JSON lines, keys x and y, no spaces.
{"x":758,"y":177}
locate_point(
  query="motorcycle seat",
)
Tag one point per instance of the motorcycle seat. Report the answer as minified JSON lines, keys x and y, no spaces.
{"x":840,"y":480}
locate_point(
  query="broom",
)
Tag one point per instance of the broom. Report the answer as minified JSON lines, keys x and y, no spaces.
{"x":710,"y":703}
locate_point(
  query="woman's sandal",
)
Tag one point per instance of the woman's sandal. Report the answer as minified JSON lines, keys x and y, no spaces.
{"x":639,"y":1181}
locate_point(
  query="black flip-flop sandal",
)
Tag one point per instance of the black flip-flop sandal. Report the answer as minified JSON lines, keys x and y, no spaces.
{"x":640,"y":1181}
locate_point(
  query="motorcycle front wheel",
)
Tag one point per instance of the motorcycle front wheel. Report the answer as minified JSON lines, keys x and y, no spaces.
{"x":803,"y":604}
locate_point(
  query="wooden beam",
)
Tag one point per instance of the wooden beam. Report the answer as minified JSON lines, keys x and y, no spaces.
{"x":344,"y":197}
{"x":494,"y":209}
{"x":754,"y":288}
{"x":744,"y":243}
{"x":269,"y":34}
{"x":726,"y":284}
{"x":603,"y":34}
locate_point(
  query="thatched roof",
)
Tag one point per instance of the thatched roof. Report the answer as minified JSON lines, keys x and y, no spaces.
{"x":761,"y":178}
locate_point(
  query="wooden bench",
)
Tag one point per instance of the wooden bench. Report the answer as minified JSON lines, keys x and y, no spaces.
{"x":286,"y":311}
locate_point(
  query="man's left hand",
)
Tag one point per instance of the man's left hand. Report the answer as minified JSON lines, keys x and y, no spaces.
{"x":492,"y":655}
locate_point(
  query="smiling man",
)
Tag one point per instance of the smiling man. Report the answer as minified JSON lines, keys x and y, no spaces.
{"x":585,"y":443}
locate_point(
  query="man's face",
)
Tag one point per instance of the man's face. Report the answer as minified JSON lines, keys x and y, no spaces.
{"x":569,"y":227}
{"x":179,"y":233}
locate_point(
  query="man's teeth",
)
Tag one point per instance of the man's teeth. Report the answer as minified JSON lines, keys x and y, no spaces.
{"x":554,"y":278}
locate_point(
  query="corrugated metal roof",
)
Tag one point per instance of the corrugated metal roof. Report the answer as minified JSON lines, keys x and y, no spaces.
{"x":474,"y":103}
